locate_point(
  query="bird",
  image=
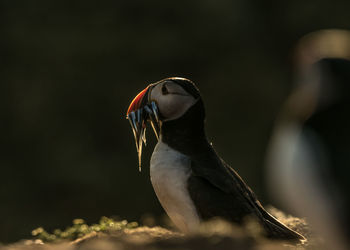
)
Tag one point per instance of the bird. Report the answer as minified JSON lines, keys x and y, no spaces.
{"x":191,"y":181}
{"x":308,"y":159}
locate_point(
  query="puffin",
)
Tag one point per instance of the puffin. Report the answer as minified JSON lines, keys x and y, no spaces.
{"x":308,"y":159}
{"x":191,"y":181}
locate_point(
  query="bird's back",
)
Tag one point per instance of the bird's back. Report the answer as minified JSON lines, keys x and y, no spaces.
{"x":217,"y":190}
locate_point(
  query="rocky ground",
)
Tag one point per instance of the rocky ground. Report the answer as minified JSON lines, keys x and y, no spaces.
{"x":215,"y":234}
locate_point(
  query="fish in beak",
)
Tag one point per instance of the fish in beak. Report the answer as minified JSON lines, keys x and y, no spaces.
{"x":140,"y":111}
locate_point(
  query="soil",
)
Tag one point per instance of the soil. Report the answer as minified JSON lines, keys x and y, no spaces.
{"x":215,"y":234}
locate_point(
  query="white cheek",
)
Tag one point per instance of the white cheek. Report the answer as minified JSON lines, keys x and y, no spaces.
{"x":171,"y":106}
{"x":175,"y":106}
{"x":168,"y":106}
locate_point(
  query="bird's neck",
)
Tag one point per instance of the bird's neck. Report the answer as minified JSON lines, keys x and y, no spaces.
{"x":186,"y":134}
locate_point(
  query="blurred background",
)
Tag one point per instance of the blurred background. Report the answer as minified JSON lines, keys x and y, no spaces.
{"x":69,"y":70}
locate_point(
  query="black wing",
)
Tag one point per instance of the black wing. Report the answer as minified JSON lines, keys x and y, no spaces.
{"x":217,"y":190}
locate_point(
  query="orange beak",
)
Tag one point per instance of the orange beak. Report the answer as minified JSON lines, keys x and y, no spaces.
{"x":137,"y":101}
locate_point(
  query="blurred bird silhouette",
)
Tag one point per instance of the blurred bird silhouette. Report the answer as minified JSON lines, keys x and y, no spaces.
{"x":309,"y":156}
{"x":190,"y":180}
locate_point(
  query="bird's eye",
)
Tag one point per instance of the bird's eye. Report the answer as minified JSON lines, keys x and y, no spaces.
{"x":164,"y":90}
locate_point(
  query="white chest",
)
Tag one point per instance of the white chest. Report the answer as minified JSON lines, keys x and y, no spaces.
{"x":169,"y":173}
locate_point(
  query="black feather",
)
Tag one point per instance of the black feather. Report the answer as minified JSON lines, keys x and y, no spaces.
{"x":215,"y":188}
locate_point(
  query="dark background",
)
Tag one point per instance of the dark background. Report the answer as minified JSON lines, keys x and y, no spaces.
{"x":69,"y":70}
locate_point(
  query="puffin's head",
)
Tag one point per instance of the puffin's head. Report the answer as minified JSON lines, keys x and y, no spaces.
{"x":165,"y":100}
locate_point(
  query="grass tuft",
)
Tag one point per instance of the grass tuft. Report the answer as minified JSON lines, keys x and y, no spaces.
{"x":80,"y":229}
